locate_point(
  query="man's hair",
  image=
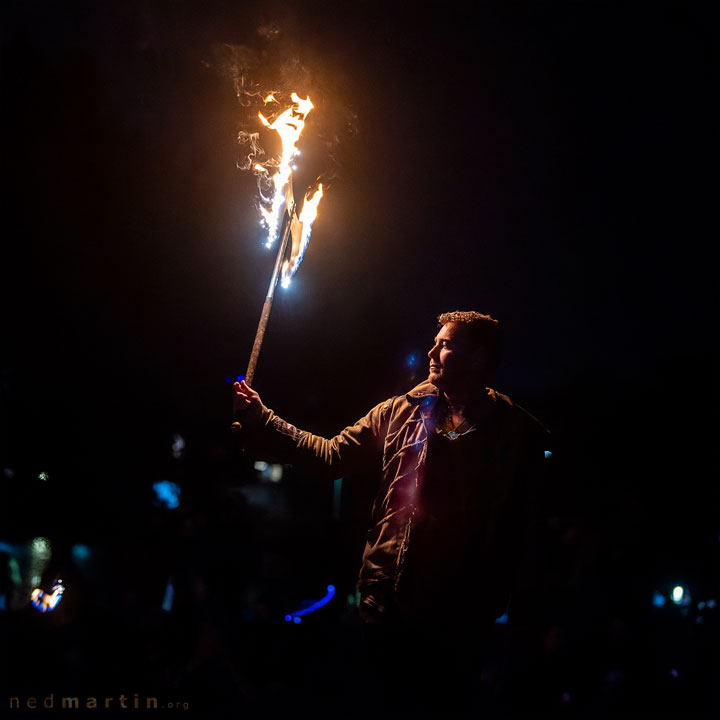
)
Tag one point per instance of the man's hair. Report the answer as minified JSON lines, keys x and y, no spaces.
{"x":484,"y":331}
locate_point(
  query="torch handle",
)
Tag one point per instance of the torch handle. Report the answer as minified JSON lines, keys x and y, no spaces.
{"x":259,"y":336}
{"x":262,"y":325}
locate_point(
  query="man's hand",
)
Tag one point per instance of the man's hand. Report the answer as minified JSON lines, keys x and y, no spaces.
{"x":247,"y":406}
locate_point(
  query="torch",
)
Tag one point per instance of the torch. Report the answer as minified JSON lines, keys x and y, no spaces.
{"x":289,"y":125}
{"x":267,"y":305}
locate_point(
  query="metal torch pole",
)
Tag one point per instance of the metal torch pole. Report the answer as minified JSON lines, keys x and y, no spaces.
{"x":262,"y":325}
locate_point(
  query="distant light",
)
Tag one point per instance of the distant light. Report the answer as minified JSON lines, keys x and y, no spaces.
{"x":678,"y":593}
{"x":167,"y":602}
{"x":46,"y":602}
{"x":658,"y":599}
{"x":548,"y":454}
{"x":41,"y":546}
{"x":3,"y":602}
{"x":288,"y":618}
{"x":337,"y":497}
{"x":228,"y":380}
{"x":701,"y":605}
{"x":43,"y":476}
{"x":711,"y":603}
{"x":412,"y":360}
{"x":80,"y":553}
{"x":673,"y":672}
{"x":273,"y":472}
{"x":10,"y":473}
{"x":240,"y":378}
{"x":178,"y":445}
{"x":699,"y":619}
{"x":502,"y":620}
{"x":168,"y":494}
{"x":297,"y":620}
{"x":15,"y":574}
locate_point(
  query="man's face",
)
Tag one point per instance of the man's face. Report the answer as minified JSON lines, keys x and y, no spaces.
{"x":454,"y":364}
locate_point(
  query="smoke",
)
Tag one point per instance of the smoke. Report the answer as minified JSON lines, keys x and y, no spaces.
{"x":279,"y":63}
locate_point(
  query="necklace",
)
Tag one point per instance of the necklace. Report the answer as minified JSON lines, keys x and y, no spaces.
{"x":454,"y":423}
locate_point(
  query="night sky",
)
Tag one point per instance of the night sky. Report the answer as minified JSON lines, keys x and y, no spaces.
{"x":547,"y":163}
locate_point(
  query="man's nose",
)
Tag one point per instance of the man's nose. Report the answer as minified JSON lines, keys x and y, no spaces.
{"x":433,"y":351}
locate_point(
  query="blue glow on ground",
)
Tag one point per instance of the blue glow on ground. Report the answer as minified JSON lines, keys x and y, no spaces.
{"x":295,"y":616}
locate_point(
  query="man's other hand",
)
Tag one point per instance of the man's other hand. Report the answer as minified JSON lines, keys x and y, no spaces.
{"x":247,"y":406}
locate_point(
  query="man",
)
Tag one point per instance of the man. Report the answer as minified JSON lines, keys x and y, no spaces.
{"x":458,"y":466}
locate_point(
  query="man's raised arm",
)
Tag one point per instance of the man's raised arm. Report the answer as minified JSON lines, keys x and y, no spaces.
{"x":264,"y":435}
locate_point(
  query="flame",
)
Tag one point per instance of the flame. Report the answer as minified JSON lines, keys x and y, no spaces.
{"x":306,"y":219}
{"x":289,"y":125}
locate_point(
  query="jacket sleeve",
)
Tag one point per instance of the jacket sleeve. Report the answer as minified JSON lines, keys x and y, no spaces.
{"x":355,"y":450}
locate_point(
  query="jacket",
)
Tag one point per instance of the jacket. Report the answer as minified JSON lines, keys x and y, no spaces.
{"x":393,"y":440}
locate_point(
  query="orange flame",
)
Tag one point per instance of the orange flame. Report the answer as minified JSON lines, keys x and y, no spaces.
{"x":289,"y":125}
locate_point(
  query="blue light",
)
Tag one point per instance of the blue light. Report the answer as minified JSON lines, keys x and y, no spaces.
{"x":80,"y":553}
{"x":412,"y":360}
{"x":548,"y":454}
{"x":658,"y":599}
{"x":240,"y":378}
{"x":168,"y":494}
{"x":297,"y":620}
{"x":167,"y":602}
{"x":313,"y":606}
{"x":502,"y":620}
{"x":228,"y":380}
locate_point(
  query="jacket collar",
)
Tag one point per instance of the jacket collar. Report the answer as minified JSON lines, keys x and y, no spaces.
{"x":422,"y":391}
{"x":425,"y":395}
